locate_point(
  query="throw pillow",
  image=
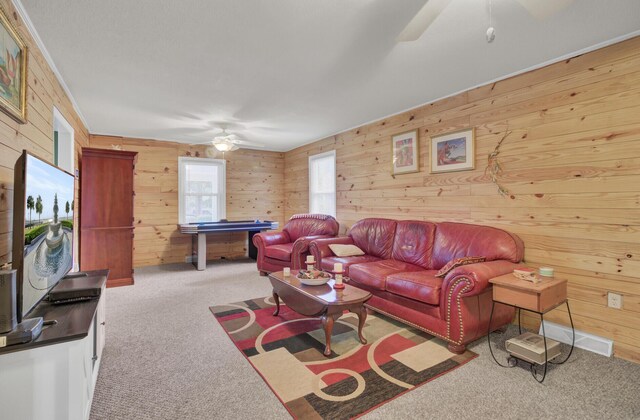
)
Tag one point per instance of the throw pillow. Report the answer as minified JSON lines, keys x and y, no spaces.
{"x":457,"y":263}
{"x":340,"y":250}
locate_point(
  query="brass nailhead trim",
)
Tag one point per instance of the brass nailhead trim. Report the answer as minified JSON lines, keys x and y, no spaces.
{"x":459,"y":303}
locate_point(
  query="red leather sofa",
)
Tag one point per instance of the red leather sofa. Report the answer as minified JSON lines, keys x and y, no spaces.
{"x":290,"y":247}
{"x":399,"y":267}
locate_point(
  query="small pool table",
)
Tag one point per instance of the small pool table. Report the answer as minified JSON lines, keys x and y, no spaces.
{"x":200,"y":230}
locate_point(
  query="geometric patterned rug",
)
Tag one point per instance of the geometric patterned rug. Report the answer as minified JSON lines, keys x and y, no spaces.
{"x":286,"y":350}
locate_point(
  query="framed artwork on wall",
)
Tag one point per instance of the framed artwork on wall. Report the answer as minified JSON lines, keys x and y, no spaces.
{"x":13,"y":71}
{"x":404,"y":153}
{"x":453,"y":152}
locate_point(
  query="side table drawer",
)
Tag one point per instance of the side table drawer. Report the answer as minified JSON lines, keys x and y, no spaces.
{"x":541,"y":300}
{"x":520,"y":298}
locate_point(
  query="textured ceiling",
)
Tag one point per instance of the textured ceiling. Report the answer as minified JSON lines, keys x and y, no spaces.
{"x":282,"y":73}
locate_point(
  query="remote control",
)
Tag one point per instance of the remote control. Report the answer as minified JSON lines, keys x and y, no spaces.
{"x":74,"y":275}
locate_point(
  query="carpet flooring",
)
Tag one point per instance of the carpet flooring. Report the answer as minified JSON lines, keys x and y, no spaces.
{"x":167,"y":358}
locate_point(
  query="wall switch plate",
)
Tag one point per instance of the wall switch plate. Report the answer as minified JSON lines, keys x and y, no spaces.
{"x":614,"y":300}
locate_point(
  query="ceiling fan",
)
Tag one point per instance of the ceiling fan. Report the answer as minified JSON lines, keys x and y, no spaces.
{"x":539,"y":9}
{"x":227,"y":142}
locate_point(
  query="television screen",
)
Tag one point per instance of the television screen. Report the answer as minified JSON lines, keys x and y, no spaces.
{"x":47,"y":195}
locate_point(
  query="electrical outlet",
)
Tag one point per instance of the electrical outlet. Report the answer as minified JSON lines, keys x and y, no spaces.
{"x":188,"y":259}
{"x":614,"y":300}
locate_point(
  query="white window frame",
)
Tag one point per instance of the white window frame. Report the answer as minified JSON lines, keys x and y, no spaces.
{"x":222,"y":186}
{"x":66,"y":142}
{"x":66,"y":161}
{"x":335,"y":167}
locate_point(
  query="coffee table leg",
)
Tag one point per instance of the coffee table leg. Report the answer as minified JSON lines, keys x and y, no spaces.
{"x":276,"y":299}
{"x":362,"y":317}
{"x":327,"y":323}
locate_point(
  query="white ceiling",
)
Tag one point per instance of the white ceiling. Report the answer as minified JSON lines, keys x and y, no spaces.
{"x":283,"y":73}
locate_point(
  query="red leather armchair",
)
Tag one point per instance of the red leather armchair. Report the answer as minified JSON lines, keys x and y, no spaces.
{"x":290,"y":247}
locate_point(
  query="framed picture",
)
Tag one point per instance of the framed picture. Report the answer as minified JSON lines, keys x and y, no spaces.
{"x":404,"y":152}
{"x":453,"y":152}
{"x":13,"y":71}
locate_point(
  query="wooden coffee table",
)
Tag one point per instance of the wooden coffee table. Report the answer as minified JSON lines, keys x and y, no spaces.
{"x":320,"y":301}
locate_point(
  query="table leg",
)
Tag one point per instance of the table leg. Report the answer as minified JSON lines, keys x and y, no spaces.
{"x":276,"y":299}
{"x":573,"y":338}
{"x":362,"y":317}
{"x":327,"y":323}
{"x":202,"y":251}
{"x":252,"y":250}
{"x":546,"y":355}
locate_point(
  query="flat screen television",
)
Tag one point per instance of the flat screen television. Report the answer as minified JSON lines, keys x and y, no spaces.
{"x":42,"y":229}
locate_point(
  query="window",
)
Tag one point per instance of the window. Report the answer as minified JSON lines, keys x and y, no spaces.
{"x":201,"y":187}
{"x":62,"y":142}
{"x":322,"y":183}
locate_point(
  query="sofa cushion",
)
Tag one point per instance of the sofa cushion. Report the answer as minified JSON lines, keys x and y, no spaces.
{"x":456,"y":240}
{"x":422,"y":286}
{"x":280,"y":252}
{"x":374,"y":274}
{"x":342,"y":250}
{"x":457,"y":263}
{"x":374,"y":236}
{"x":414,"y":242}
{"x":328,"y":262}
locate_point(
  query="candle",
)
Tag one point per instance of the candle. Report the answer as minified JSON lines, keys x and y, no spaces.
{"x":337,"y":267}
{"x":338,"y":279}
{"x":310,"y":259}
{"x":546,"y":271}
{"x":286,"y":271}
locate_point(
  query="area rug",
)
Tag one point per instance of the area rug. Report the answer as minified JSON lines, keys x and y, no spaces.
{"x":286,"y":350}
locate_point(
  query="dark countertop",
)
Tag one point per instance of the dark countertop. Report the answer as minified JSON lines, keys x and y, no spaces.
{"x":73,"y":320}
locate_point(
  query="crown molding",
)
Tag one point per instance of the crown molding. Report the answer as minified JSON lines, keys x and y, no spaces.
{"x":36,"y":37}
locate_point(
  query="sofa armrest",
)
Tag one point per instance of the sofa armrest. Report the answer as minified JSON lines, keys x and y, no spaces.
{"x":319,"y":248}
{"x":301,"y":249}
{"x":301,"y":245}
{"x":476,"y":276}
{"x":462,"y":303}
{"x":265,"y":239}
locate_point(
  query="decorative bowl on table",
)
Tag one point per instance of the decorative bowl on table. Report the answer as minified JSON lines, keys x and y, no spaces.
{"x":313,"y":277}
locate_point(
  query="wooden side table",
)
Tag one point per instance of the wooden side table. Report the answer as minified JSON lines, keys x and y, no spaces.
{"x":539,"y":298}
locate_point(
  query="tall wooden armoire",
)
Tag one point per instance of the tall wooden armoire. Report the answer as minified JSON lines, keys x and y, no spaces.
{"x":106,"y":213}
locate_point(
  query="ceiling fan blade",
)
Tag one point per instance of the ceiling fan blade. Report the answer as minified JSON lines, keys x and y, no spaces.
{"x":421,"y":21}
{"x":246,"y":143}
{"x":542,"y":9}
{"x":200,"y":143}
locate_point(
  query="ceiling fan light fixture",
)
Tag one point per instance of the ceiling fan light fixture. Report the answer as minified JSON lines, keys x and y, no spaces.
{"x":224,"y":146}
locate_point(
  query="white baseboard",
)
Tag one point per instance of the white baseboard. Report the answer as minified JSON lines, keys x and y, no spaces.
{"x":584,"y":340}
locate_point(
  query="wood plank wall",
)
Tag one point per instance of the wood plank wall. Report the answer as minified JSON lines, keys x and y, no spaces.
{"x":43,"y":93}
{"x":254,"y":191}
{"x":571,"y":164}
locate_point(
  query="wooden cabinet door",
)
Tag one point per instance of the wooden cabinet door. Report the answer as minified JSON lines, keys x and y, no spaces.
{"x":106,"y":213}
{"x":110,"y":248}
{"x":107,"y":192}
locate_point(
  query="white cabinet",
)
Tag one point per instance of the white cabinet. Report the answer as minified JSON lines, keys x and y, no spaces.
{"x":56,"y":381}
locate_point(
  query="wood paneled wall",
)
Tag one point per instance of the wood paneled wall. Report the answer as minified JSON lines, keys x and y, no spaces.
{"x":43,"y":93}
{"x":571,"y":164}
{"x":254,"y":191}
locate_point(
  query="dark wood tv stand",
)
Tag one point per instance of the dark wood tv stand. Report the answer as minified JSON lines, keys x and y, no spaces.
{"x":54,"y":375}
